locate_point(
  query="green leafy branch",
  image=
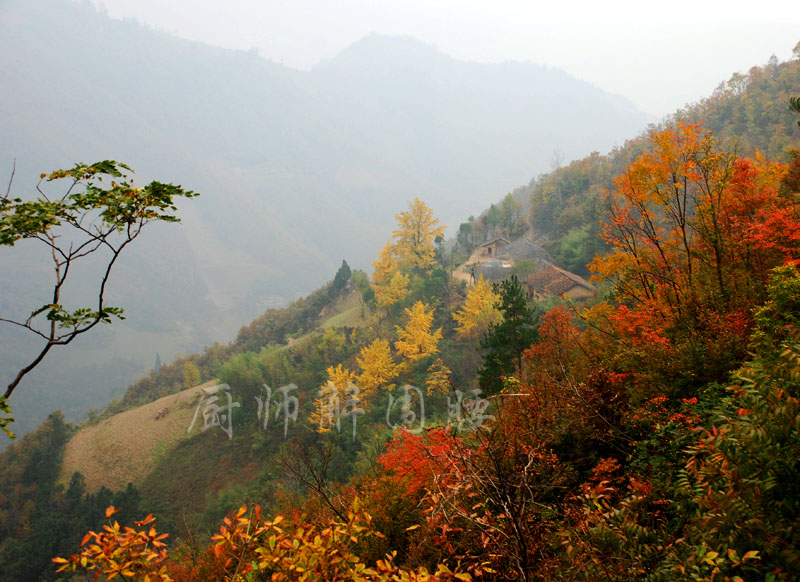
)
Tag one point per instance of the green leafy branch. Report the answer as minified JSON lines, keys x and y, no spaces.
{"x":101,"y":210}
{"x":5,"y":417}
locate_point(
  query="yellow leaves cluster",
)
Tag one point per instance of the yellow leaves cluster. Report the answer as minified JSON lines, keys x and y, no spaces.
{"x":339,"y":377}
{"x":416,"y":234}
{"x":438,"y":378}
{"x":416,"y":340}
{"x":393,"y":292}
{"x":330,"y":398}
{"x":249,"y":547}
{"x":385,"y":265}
{"x":377,"y":367}
{"x":391,"y":285}
{"x":302,"y":551}
{"x":478,"y":311}
{"x":413,"y":248}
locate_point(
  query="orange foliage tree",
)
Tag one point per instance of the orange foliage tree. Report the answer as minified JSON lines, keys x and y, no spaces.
{"x":694,"y":232}
{"x":489,"y":495}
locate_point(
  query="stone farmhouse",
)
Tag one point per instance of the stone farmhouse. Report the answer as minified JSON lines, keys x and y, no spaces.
{"x":494,"y":259}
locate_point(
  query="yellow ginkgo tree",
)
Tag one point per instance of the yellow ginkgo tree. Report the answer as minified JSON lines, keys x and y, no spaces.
{"x":438,"y":377}
{"x":392,"y":292}
{"x":415,"y":236}
{"x":389,"y":283}
{"x":332,"y":397}
{"x":378,"y":367}
{"x":416,"y":340}
{"x":385,"y":265}
{"x":479,"y":310}
{"x":410,"y":253}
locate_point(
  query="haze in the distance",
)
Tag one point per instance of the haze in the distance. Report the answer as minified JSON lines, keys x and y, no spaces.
{"x":297,"y":170}
{"x":659,"y":55}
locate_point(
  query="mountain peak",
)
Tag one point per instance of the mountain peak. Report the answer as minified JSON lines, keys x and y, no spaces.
{"x":380,"y":50}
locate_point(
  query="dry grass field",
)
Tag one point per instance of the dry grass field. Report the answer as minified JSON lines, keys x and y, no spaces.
{"x":124,"y":448}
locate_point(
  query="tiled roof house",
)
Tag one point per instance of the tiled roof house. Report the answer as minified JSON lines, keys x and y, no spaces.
{"x":553,"y":281}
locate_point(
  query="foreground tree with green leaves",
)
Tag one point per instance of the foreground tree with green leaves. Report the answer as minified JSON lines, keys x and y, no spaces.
{"x":96,"y":215}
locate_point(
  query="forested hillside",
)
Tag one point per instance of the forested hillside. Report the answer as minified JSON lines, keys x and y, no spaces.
{"x":749,"y":112}
{"x":297,"y":169}
{"x":399,"y":424}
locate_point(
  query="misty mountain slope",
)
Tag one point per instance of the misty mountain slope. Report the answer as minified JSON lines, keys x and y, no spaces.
{"x":522,"y":111}
{"x":296,"y":170}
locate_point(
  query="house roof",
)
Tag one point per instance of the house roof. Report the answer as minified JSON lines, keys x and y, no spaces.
{"x":553,"y":280}
{"x":493,"y":272}
{"x":495,"y":240}
{"x":524,"y":249}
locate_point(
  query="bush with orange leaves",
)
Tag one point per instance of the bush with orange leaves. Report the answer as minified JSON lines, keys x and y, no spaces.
{"x":118,"y":551}
{"x":249,"y":547}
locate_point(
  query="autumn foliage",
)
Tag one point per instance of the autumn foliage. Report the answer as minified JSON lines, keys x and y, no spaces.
{"x":250,"y":547}
{"x":479,"y":310}
{"x":651,"y":435}
{"x":127,"y":552}
{"x":694,"y":232}
{"x":417,"y":339}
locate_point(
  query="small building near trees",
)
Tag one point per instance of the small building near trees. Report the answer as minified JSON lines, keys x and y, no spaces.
{"x":553,"y":281}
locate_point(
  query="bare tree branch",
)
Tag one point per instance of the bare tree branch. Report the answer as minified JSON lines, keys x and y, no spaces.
{"x":312,"y":470}
{"x":11,"y":179}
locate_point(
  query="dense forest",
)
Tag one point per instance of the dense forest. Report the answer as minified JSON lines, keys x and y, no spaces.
{"x":747,"y":113}
{"x":401,"y":425}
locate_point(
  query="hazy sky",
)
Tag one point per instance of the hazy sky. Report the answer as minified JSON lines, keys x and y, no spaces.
{"x":660,"y":55}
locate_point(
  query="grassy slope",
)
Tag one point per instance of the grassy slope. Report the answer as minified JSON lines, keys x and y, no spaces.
{"x":129,"y":446}
{"x":346,"y":313}
{"x":125,"y":447}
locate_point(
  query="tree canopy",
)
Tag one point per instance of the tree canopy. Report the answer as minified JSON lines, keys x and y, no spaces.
{"x":416,"y":233}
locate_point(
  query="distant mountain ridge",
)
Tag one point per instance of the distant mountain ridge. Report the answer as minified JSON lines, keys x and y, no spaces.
{"x":296,"y":170}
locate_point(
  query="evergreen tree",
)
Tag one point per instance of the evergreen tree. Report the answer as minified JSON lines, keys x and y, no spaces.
{"x":466,"y":237}
{"x":342,"y":276}
{"x":505,"y":341}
